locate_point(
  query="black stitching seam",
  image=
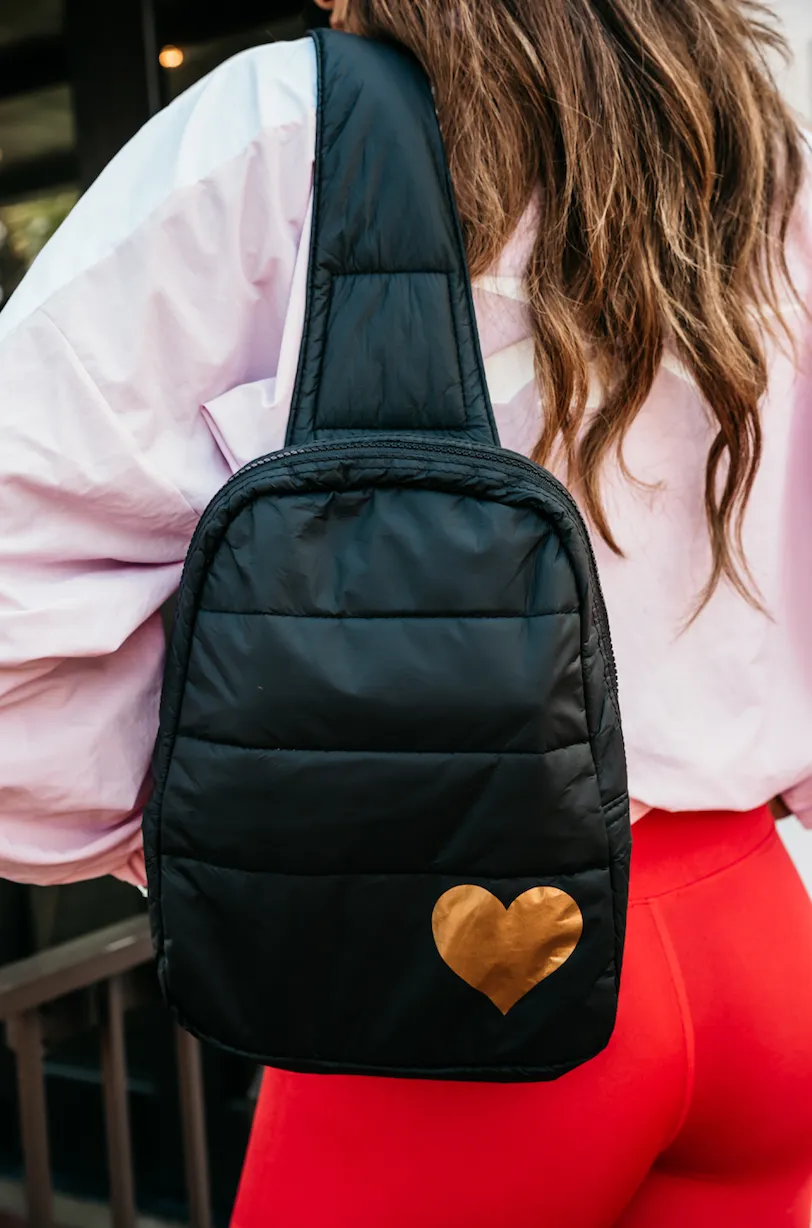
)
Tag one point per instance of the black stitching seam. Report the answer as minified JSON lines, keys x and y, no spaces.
{"x":360,"y":750}
{"x":595,"y":868}
{"x":398,"y":614}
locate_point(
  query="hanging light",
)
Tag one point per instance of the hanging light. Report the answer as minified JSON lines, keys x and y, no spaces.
{"x":170,"y":57}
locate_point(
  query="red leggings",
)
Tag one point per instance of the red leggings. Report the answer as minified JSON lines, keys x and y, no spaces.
{"x":699,"y":1113}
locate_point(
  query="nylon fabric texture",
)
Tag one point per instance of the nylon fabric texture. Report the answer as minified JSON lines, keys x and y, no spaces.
{"x":685,"y":1121}
{"x":390,"y":678}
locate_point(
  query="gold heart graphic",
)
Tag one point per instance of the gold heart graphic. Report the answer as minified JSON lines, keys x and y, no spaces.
{"x":504,"y":952}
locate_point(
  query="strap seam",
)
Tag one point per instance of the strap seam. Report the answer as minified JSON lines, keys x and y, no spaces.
{"x":397,"y":273}
{"x":295,"y":426}
{"x":465,"y":404}
{"x":325,"y":318}
{"x":462,"y":257}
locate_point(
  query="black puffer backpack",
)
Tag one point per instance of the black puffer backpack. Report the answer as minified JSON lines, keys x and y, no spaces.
{"x":390,"y":830}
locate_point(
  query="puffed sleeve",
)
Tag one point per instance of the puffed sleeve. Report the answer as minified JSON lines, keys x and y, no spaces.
{"x":167,"y":287}
{"x":799,"y":801}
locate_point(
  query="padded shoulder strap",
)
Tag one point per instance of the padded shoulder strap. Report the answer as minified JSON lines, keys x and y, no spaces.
{"x":390,"y":340}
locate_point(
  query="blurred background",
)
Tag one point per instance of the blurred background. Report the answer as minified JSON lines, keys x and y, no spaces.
{"x":167,"y":1127}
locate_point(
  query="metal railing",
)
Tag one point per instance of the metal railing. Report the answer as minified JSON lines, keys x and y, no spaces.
{"x":93,"y":981}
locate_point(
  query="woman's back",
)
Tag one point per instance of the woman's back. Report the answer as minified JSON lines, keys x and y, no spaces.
{"x":152,"y":351}
{"x":172,"y":323}
{"x":716,"y":705}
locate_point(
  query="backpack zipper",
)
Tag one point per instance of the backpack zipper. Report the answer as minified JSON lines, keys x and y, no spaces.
{"x":500,"y":456}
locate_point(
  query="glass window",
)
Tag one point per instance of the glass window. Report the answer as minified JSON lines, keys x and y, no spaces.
{"x":183,"y":65}
{"x":25,"y":228}
{"x":32,"y":19}
{"x":35,"y":125}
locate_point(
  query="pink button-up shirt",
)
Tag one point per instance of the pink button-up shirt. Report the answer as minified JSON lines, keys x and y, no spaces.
{"x":151,"y":351}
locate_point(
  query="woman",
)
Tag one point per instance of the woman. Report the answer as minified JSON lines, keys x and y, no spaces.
{"x":638,"y":211}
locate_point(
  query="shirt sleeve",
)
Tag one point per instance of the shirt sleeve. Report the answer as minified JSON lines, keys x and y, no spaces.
{"x":798,"y":801}
{"x":167,"y":286}
{"x":797,"y":504}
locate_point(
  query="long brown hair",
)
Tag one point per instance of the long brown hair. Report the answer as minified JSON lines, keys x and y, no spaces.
{"x":666,"y":167}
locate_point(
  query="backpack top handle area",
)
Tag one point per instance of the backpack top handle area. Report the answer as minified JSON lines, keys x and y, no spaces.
{"x":389,"y":309}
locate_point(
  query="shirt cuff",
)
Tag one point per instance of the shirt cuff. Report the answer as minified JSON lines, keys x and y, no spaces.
{"x":637,"y":810}
{"x":134,"y":871}
{"x":798,"y":799}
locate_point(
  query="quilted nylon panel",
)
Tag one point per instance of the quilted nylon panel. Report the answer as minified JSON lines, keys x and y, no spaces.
{"x":369,"y":536}
{"x":332,"y":773}
{"x":288,"y":986}
{"x":383,"y":205}
{"x":390,"y":676}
